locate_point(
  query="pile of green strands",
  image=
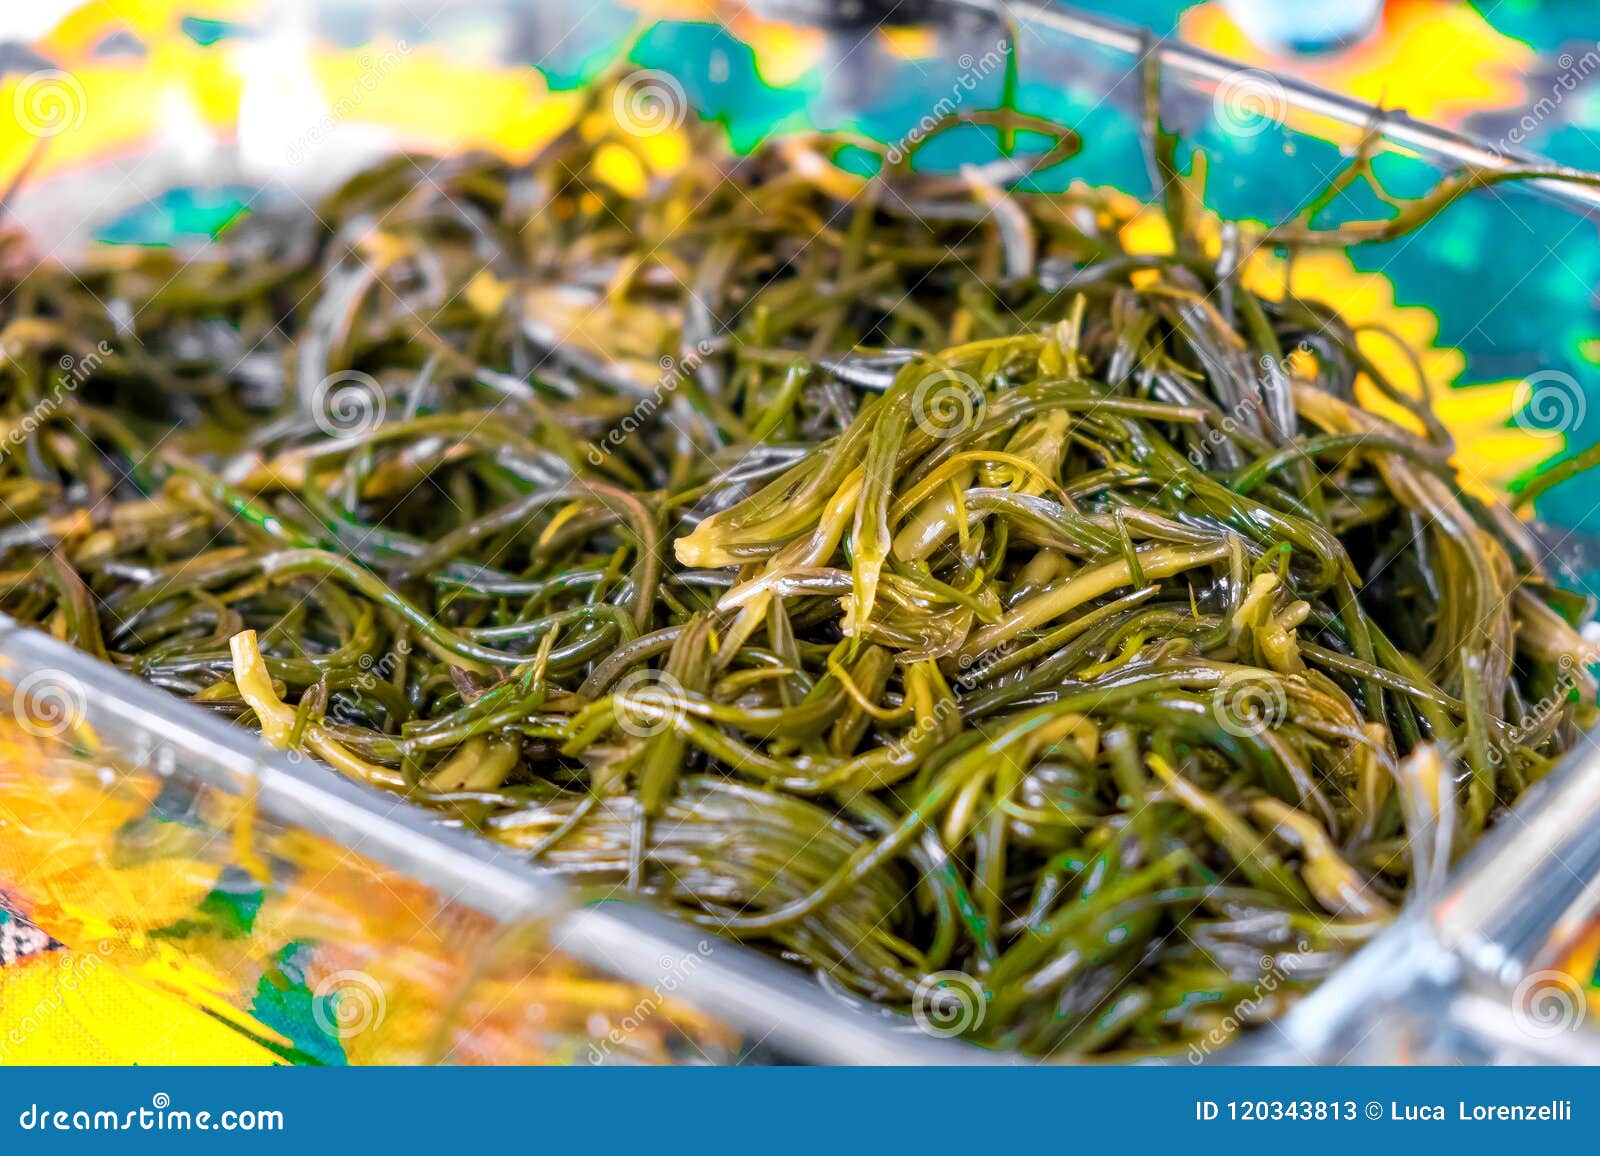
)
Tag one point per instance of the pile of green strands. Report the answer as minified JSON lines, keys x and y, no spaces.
{"x":894,"y":574}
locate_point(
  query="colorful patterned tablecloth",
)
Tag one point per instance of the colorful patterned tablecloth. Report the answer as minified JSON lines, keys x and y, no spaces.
{"x":144,"y":920}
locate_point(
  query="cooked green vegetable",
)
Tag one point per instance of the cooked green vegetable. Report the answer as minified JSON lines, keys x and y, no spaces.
{"x":897,"y":574}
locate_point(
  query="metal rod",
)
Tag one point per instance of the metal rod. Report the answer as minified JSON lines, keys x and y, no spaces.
{"x":1184,"y":59}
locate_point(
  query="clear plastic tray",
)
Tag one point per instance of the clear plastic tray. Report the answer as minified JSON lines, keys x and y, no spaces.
{"x":163,"y":127}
